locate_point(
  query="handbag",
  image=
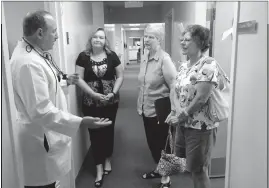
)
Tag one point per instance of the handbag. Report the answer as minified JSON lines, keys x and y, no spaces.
{"x":218,"y":105}
{"x":169,"y":163}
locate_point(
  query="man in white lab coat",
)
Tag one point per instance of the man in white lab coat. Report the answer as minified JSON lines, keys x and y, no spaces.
{"x":45,"y":125}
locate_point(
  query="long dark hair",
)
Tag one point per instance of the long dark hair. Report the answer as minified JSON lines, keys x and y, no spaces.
{"x":107,"y":48}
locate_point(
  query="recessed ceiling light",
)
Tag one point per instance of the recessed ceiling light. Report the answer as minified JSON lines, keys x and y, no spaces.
{"x":134,"y":25}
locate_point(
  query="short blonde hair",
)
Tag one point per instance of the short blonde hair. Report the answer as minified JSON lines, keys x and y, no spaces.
{"x":157,"y":31}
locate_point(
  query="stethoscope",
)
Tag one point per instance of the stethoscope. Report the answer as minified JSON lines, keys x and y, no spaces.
{"x":47,"y":57}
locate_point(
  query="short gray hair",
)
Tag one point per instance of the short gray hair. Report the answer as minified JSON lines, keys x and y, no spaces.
{"x":157,"y":31}
{"x":34,"y":21}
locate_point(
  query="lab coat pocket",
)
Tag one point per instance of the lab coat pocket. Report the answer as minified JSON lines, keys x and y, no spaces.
{"x":59,"y":153}
{"x":56,"y":141}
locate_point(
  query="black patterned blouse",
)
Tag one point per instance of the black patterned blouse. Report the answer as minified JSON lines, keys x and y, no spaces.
{"x":100,"y":76}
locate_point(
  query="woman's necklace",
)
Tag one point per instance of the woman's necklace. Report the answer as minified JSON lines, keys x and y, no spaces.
{"x":98,"y":57}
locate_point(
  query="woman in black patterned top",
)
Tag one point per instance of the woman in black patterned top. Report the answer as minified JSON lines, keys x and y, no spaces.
{"x":101,"y":76}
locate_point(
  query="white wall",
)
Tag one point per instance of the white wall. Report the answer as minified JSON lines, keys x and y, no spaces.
{"x":9,"y":173}
{"x":222,"y":53}
{"x":186,"y":13}
{"x":98,"y":13}
{"x":248,"y":167}
{"x":12,"y":17}
{"x":200,"y":13}
{"x":78,"y":22}
{"x":14,"y":13}
{"x":110,"y":33}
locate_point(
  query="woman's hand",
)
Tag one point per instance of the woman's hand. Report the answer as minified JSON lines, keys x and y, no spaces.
{"x":174,"y":121}
{"x":169,"y":117}
{"x":182,"y":116}
{"x":99,"y":96}
{"x":109,"y":96}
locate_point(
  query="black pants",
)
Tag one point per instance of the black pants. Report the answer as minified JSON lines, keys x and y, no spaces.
{"x":102,"y":140}
{"x":156,"y":136}
{"x":43,"y":186}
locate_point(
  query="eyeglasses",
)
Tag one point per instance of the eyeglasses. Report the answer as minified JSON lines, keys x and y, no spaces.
{"x":185,"y":39}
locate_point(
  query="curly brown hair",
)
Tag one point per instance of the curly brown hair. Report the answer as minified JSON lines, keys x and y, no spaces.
{"x":200,"y":35}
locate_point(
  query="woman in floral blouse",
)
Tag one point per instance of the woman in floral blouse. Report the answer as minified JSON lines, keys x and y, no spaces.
{"x":101,"y":76}
{"x":196,"y":78}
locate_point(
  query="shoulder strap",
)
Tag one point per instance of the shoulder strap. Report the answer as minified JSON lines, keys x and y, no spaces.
{"x":222,"y":72}
{"x":218,"y":65}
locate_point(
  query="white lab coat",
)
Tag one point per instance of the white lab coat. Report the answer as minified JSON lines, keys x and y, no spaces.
{"x":42,"y":112}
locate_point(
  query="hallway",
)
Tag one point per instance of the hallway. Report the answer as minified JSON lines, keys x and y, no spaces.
{"x":131,"y":154}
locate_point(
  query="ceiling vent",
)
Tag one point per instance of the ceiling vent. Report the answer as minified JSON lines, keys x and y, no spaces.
{"x":133,"y":4}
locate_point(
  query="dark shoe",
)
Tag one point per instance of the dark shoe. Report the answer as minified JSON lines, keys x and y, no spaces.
{"x":106,"y":172}
{"x":151,"y":175}
{"x":165,"y":185}
{"x":99,"y":183}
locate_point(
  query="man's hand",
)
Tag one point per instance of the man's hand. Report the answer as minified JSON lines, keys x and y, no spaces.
{"x":95,"y":122}
{"x":72,"y":79}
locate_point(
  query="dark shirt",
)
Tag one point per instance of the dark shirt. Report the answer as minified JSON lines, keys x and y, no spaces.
{"x":100,"y":76}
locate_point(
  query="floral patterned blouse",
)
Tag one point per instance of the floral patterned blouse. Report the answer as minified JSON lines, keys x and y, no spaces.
{"x":100,"y":76}
{"x":205,"y":70}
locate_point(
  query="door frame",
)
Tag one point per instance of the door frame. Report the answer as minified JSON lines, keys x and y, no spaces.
{"x":232,"y":97}
{"x":171,"y":14}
